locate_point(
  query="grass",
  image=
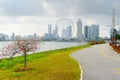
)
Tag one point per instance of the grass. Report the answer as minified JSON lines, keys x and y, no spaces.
{"x":49,"y":65}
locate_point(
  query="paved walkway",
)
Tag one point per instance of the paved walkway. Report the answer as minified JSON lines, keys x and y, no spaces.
{"x":99,"y":62}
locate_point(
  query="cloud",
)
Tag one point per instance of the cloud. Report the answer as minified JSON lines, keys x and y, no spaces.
{"x":57,"y":8}
{"x":42,"y":12}
{"x":22,"y":8}
{"x":97,"y":9}
{"x":49,"y":8}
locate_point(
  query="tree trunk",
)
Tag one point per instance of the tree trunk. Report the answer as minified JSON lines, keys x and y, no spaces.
{"x":25,"y":59}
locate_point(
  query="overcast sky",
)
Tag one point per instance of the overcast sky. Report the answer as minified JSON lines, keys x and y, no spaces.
{"x":33,"y":16}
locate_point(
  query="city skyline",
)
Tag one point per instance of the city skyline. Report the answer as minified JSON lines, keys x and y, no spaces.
{"x":90,"y":32}
{"x":53,"y":29}
{"x":32,"y":16}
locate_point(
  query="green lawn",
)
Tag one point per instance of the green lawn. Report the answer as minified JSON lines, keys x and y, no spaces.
{"x":49,"y":65}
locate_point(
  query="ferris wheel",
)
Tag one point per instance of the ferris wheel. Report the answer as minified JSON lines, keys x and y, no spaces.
{"x":64,"y":23}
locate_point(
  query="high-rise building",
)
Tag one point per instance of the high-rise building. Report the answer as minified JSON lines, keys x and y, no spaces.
{"x":55,"y":32}
{"x":79,"y":29}
{"x":35,"y":35}
{"x":111,"y":32}
{"x":118,"y":31}
{"x":49,"y":35}
{"x":13,"y":36}
{"x":49,"y":29}
{"x":69,"y":28}
{"x":94,"y":31}
{"x":65,"y":34}
{"x":5,"y":37}
{"x":86,"y":31}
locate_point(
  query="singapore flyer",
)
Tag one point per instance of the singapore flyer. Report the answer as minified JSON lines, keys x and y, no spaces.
{"x":65,"y":27}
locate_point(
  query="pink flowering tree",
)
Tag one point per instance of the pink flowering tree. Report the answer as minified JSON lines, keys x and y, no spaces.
{"x":9,"y":51}
{"x":27,"y":45}
{"x":20,"y":46}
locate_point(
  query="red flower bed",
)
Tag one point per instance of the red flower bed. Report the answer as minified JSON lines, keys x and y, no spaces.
{"x":116,"y":48}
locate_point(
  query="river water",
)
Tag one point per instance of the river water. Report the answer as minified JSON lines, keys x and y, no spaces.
{"x":46,"y":46}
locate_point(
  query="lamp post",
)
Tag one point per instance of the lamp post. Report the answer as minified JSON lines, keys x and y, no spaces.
{"x":113,"y":24}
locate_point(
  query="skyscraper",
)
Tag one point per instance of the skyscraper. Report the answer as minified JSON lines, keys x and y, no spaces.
{"x":55,"y":32}
{"x":111,"y":33}
{"x":13,"y":36}
{"x":49,"y":29}
{"x":65,"y":34}
{"x":79,"y":29}
{"x":49,"y":36}
{"x":94,"y":31}
{"x":69,"y":29}
{"x":86,"y":31}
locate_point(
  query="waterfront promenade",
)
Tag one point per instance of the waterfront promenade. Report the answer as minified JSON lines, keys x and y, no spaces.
{"x":99,"y":62}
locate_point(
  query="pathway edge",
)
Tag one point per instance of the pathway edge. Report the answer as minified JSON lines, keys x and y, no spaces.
{"x":81,"y":75}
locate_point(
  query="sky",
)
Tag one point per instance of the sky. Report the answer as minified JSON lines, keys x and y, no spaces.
{"x":25,"y":17}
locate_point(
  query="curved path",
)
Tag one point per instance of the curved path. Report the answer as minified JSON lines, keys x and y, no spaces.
{"x":99,"y":62}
